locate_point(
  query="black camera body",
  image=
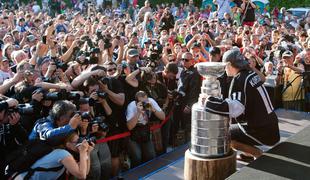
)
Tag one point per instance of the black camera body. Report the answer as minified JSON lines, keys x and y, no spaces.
{"x":60,"y":65}
{"x":90,"y":140}
{"x":146,"y":105}
{"x":105,"y":80}
{"x":23,"y":109}
{"x":102,"y":95}
{"x":102,"y":126}
{"x":61,"y":95}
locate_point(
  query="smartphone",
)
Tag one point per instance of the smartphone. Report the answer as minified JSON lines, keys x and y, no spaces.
{"x":44,"y":39}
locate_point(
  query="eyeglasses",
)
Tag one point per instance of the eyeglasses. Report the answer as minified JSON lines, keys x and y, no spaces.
{"x":186,"y":60}
{"x":110,"y":70}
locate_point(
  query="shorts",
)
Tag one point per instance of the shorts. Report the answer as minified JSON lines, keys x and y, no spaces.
{"x":268,"y":135}
{"x":116,"y":146}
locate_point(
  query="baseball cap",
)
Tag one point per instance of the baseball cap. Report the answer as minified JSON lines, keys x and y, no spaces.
{"x":287,"y":54}
{"x":236,"y":59}
{"x":133,"y":52}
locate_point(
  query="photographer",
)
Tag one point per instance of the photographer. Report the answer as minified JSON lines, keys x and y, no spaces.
{"x":168,"y":77}
{"x":66,"y":156}
{"x":290,"y":76}
{"x":117,"y":121}
{"x":12,"y":133}
{"x":92,"y":128}
{"x":61,"y":121}
{"x":140,"y":146}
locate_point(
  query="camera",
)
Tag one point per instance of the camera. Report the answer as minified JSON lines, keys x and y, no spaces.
{"x":105,"y":80}
{"x":146,"y":105}
{"x":102,"y":126}
{"x":90,"y":140}
{"x":60,"y":65}
{"x":102,"y":95}
{"x":107,"y":42}
{"x":61,"y":95}
{"x":23,"y":109}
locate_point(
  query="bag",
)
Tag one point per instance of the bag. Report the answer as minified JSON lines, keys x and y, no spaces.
{"x":141,"y":134}
{"x":22,"y":159}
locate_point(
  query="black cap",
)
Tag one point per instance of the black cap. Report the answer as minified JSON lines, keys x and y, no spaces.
{"x":236,"y":59}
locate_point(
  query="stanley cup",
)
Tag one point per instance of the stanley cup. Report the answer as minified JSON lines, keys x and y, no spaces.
{"x":210,"y":137}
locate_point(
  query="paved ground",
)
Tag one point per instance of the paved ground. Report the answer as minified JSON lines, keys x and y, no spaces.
{"x":170,"y":166}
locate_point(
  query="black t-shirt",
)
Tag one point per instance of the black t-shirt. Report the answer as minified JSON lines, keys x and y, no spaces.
{"x":158,"y":92}
{"x":250,"y":14}
{"x":170,"y":84}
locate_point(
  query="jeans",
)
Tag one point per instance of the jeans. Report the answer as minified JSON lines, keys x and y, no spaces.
{"x":140,"y":153}
{"x":100,"y":163}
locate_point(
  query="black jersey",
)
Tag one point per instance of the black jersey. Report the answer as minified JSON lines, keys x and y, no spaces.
{"x":247,"y":87}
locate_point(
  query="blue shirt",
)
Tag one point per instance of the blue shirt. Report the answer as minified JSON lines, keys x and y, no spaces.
{"x":45,"y":129}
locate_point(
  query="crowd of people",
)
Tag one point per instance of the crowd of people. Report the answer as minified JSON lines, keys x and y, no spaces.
{"x":96,"y":71}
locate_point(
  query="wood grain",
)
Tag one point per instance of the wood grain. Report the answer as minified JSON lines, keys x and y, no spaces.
{"x":197,"y":168}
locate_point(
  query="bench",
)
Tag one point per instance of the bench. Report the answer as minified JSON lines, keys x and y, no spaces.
{"x":287,"y":160}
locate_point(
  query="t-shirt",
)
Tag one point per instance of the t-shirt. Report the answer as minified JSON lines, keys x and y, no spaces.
{"x":51,"y":160}
{"x":223,"y":7}
{"x":4,"y":76}
{"x":132,"y":110}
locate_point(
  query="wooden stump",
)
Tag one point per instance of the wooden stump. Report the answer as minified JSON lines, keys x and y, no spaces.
{"x":197,"y":168}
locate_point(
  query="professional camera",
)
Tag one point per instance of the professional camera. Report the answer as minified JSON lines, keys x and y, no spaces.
{"x":102,"y":95}
{"x":60,"y":65}
{"x":107,"y":41}
{"x":61,"y":95}
{"x":105,"y":80}
{"x":86,"y":58}
{"x":23,"y":109}
{"x":87,"y":39}
{"x":102,"y":126}
{"x":90,"y":140}
{"x":146,"y":105}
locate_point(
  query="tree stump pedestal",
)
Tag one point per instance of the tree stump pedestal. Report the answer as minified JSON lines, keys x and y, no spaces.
{"x":197,"y":168}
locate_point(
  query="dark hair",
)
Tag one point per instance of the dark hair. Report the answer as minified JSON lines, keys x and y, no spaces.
{"x":61,"y":108}
{"x":214,"y":51}
{"x":89,"y":82}
{"x":172,"y":68}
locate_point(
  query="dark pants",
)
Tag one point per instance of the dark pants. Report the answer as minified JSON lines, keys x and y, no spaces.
{"x":140,"y":152}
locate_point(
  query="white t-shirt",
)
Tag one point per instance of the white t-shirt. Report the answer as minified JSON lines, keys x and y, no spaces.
{"x":132,"y":110}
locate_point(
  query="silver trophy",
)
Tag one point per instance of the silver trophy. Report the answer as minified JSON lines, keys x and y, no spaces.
{"x":210,"y":135}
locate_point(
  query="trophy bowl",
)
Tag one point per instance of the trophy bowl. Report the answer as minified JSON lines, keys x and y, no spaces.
{"x":211,"y":68}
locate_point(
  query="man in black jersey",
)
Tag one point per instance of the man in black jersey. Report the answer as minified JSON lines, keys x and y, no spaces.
{"x":253,"y":120}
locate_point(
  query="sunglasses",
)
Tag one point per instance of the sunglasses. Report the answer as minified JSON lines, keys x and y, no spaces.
{"x":110,"y":70}
{"x":186,"y":60}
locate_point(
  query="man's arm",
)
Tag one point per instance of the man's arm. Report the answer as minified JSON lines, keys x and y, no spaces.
{"x":46,"y":130}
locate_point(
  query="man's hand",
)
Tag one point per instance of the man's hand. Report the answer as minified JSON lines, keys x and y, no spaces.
{"x":103,"y":87}
{"x":38,"y":96}
{"x":14,"y":118}
{"x":75,"y":121}
{"x":12,"y":102}
{"x":187,"y":110}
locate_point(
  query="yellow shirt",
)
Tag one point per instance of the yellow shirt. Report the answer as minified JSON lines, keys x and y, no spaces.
{"x":294,"y":91}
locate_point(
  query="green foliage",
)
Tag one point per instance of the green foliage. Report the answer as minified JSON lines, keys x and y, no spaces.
{"x":289,"y":3}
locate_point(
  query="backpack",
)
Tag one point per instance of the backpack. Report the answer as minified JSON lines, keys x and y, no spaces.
{"x":22,"y":159}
